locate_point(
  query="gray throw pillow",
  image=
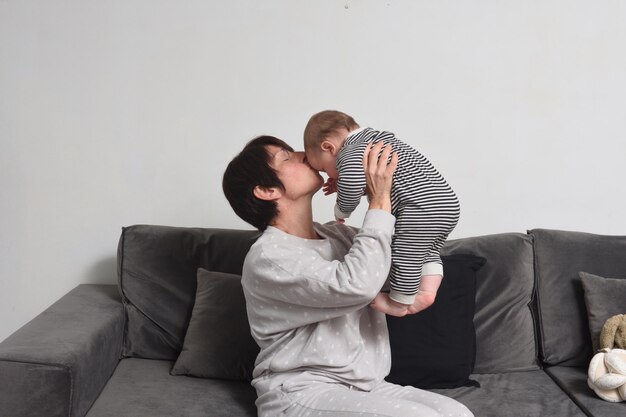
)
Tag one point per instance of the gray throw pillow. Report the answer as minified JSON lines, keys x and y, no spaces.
{"x":218,"y":343}
{"x":604,"y":298}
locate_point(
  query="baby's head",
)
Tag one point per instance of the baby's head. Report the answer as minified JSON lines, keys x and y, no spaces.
{"x":324,"y":135}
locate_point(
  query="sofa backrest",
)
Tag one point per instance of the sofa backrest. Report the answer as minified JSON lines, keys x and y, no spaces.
{"x":559,"y":256}
{"x":157,"y":279}
{"x":505,"y":334}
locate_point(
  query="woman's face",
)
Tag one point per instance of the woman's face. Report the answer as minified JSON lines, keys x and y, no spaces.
{"x":323,"y":161}
{"x":294,"y":172}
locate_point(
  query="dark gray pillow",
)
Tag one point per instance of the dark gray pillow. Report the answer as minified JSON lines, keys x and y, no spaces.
{"x":604,"y":298}
{"x":218,"y":343}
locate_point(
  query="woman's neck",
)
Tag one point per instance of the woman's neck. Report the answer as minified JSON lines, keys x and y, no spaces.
{"x":297,"y":220}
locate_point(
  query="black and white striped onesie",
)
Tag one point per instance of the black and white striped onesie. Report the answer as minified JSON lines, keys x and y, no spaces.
{"x":425,"y":206}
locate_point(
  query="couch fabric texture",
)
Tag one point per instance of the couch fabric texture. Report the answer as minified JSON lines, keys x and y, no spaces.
{"x":505,"y":338}
{"x":562,"y":320}
{"x":107,"y":351}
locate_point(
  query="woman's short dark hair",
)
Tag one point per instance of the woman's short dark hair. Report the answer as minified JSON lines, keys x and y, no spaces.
{"x":247,"y":170}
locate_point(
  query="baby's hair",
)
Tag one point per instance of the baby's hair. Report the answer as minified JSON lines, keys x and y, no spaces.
{"x":324,"y":123}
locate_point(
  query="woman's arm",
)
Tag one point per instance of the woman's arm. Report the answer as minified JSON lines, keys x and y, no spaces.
{"x":318,"y":288}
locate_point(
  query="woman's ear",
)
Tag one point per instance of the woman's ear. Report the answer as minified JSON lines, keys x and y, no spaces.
{"x":267,"y":193}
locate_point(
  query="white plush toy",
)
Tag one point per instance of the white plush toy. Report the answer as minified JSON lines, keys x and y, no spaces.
{"x":607,"y":374}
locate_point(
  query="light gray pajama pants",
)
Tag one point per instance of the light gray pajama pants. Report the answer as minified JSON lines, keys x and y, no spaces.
{"x":339,"y":400}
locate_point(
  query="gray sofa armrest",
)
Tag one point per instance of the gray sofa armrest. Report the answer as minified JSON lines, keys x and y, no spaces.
{"x":58,"y":363}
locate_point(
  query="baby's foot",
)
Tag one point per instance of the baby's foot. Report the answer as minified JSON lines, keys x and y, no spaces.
{"x":386,"y":305}
{"x":423,"y":300}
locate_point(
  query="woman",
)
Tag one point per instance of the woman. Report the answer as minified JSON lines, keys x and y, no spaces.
{"x":324,"y":351}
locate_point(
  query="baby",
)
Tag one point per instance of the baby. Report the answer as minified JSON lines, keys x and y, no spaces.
{"x":425,"y":206}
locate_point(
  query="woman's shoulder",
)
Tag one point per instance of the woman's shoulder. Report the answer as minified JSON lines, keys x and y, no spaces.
{"x":275,"y":245}
{"x":336,"y":231}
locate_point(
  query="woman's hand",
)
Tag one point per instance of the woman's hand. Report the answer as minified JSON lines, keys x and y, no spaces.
{"x":379,"y":174}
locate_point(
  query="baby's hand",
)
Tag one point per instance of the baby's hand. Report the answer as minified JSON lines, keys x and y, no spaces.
{"x":330,"y":186}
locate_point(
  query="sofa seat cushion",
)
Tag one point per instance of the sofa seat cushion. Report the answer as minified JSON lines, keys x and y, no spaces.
{"x":574,"y":382}
{"x":144,"y":387}
{"x":514,"y":394}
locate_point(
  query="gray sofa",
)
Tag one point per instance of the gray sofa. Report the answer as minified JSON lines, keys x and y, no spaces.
{"x":105,"y":350}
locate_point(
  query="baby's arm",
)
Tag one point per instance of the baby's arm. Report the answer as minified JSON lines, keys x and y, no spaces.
{"x":330,"y":187}
{"x":350,"y":184}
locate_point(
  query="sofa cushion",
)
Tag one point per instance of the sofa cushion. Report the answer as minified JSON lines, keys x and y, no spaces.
{"x":437,"y":347}
{"x":604,"y":298}
{"x":218,"y":343}
{"x":505,"y":338}
{"x":144,"y":387}
{"x":515,"y":394}
{"x":157,"y":276}
{"x":573,"y":381}
{"x":559,"y":256}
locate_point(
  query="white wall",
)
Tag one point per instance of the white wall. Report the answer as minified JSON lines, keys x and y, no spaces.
{"x":121,"y":112}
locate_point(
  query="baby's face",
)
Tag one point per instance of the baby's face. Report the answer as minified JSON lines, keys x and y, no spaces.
{"x":324,"y":161}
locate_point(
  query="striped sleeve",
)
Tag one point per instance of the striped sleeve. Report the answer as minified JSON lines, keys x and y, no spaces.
{"x":351,"y":182}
